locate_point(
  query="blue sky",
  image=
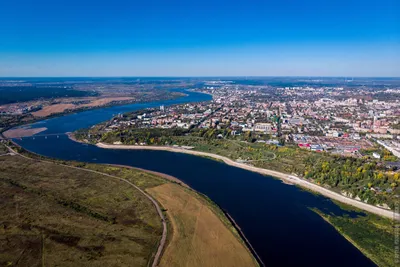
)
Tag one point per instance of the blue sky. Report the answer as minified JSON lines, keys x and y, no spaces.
{"x":200,"y":38}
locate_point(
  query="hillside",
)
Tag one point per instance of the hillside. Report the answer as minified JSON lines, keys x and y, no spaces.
{"x":79,"y":215}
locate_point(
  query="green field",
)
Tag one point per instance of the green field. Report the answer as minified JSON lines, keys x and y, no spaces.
{"x":374,"y":236}
{"x":53,"y":215}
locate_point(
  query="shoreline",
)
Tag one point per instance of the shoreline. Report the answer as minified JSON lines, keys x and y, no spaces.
{"x":75,"y":111}
{"x":161,"y":248}
{"x":173,"y":179}
{"x":284,"y":177}
{"x":162,"y":175}
{"x":23,"y":131}
{"x":245,"y":240}
{"x":362,"y":250}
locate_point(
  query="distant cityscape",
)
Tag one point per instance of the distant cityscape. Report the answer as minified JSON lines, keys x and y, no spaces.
{"x":340,"y":120}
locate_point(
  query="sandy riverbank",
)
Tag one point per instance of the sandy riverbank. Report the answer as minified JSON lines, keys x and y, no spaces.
{"x":93,"y":102}
{"x":23,"y":132}
{"x":286,"y":177}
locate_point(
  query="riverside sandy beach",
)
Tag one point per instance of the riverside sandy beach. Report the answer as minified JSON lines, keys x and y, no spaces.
{"x":23,"y":132}
{"x":285,"y":177}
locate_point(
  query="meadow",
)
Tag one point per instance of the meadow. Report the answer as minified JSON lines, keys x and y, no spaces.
{"x":54,"y":215}
{"x":373,"y":235}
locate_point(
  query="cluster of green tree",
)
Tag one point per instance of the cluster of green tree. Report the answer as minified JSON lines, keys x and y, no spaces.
{"x":7,"y":121}
{"x":134,"y":114}
{"x":211,"y":133}
{"x":385,"y":154}
{"x":226,"y":133}
{"x":132,"y":136}
{"x":161,"y":136}
{"x":371,"y":234}
{"x":359,"y":177}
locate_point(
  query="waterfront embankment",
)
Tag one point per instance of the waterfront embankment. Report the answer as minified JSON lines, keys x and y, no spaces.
{"x":283,"y":176}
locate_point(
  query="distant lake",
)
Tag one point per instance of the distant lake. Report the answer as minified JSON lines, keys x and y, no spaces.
{"x":275,"y":217}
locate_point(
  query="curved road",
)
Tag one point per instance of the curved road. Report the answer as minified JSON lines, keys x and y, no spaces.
{"x":159,"y":211}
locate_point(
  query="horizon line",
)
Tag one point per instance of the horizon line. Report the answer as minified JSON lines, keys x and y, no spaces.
{"x":206,"y":76}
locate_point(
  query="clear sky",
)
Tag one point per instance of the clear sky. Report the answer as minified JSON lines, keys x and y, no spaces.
{"x":200,"y":38}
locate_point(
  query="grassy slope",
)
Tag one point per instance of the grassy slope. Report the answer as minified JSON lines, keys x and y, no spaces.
{"x":200,"y":238}
{"x":371,"y":234}
{"x":69,"y":217}
{"x":79,"y":217}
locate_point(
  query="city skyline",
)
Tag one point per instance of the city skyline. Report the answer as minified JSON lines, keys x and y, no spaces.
{"x":208,"y":38}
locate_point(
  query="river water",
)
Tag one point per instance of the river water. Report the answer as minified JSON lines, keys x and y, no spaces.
{"x":275,"y":217}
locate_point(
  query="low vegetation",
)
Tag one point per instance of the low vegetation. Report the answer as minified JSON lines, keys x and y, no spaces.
{"x":53,"y":215}
{"x":385,"y":154}
{"x":371,"y":234}
{"x":3,"y":150}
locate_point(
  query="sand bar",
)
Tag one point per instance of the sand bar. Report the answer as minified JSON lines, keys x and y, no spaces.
{"x":23,"y":132}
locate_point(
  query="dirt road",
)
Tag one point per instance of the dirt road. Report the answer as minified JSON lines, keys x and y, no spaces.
{"x":159,"y":211}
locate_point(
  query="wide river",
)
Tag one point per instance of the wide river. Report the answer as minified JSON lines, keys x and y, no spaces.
{"x":275,"y":217}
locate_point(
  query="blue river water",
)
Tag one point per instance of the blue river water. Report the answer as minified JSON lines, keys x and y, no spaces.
{"x":275,"y":217}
